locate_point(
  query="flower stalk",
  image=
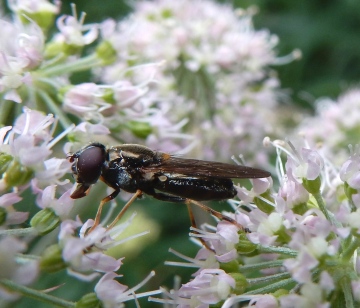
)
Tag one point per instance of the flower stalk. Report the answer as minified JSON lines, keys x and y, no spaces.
{"x":35,"y":294}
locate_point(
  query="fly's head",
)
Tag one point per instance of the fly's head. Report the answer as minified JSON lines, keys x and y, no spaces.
{"x":87,"y":167}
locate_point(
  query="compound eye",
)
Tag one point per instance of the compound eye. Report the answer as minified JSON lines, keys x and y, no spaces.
{"x":89,"y":164}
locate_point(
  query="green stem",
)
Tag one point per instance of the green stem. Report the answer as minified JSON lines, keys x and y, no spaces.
{"x":320,"y":201}
{"x":349,"y":251}
{"x":5,"y":111}
{"x":65,"y":123}
{"x":38,"y":295}
{"x":262,"y":265}
{"x":19,"y":232}
{"x":283,"y":284}
{"x":79,"y":65}
{"x":346,"y":288}
{"x":280,"y":250}
{"x":270,"y":278}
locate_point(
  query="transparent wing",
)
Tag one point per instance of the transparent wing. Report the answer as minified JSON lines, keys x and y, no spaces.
{"x":202,"y":168}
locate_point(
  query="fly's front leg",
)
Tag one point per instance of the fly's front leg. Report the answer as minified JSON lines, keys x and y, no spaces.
{"x":123,"y":210}
{"x":103,"y":201}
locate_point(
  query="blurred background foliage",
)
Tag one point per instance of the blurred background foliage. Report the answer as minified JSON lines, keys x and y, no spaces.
{"x":327,"y":33}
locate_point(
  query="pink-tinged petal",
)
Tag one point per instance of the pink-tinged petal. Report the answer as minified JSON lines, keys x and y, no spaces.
{"x":262,"y":239}
{"x":27,"y":273}
{"x":354,"y":181}
{"x":343,"y":232}
{"x":54,"y":169}
{"x":13,"y":95}
{"x":203,"y":254}
{"x":73,"y":251}
{"x":107,"y":287}
{"x":289,"y":300}
{"x":264,"y":301}
{"x":356,"y":199}
{"x":245,"y":195}
{"x":27,"y":79}
{"x":18,"y":272}
{"x":64,"y":204}
{"x":261,"y":185}
{"x":348,"y":169}
{"x":107,"y":27}
{"x":29,"y":154}
{"x":98,"y":261}
{"x":209,"y":286}
{"x":15,"y":218}
{"x":228,"y":231}
{"x":47,"y":196}
{"x":326,"y":281}
{"x":228,"y":256}
{"x":315,"y":161}
{"x":9,"y":199}
{"x":355,"y":285}
{"x":34,"y":123}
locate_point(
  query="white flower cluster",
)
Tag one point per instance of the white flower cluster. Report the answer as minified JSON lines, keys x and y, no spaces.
{"x":214,"y":71}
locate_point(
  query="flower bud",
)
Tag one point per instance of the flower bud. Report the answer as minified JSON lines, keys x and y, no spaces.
{"x":263,"y":205}
{"x":43,"y":19}
{"x":108,"y":96}
{"x":228,"y":267}
{"x":71,"y":49}
{"x":106,"y":52}
{"x":89,"y":301}
{"x":279,"y":293}
{"x":16,"y":174}
{"x":53,"y":49}
{"x":5,"y":160}
{"x":51,"y":260}
{"x":139,"y":129}
{"x":245,"y":246}
{"x":240,"y":283}
{"x":45,"y":221}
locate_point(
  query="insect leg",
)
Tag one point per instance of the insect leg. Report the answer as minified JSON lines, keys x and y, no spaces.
{"x":161,"y":196}
{"x":103,"y":201}
{"x":123,"y":210}
{"x":193,"y":224}
{"x":165,"y":197}
{"x":216,"y":213}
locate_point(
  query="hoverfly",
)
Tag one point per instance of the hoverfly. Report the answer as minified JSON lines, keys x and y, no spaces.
{"x":140,"y":170}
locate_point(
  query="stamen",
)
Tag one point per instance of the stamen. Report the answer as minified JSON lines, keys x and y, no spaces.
{"x":60,"y":136}
{"x":293,"y":56}
{"x":138,"y":286}
{"x":73,"y":10}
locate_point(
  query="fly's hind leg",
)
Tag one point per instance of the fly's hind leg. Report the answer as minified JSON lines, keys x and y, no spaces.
{"x":165,"y":197}
{"x":193,"y":224}
{"x":216,"y":213}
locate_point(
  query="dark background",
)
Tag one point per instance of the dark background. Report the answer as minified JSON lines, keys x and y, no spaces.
{"x":327,"y":32}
